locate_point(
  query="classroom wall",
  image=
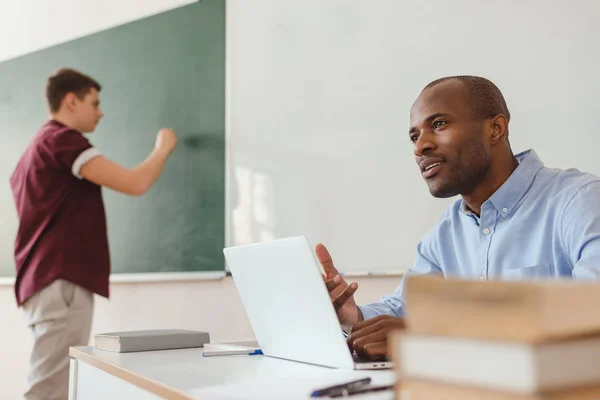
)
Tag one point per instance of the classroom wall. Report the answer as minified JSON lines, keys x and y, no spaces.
{"x":320,"y":93}
{"x":27,"y":26}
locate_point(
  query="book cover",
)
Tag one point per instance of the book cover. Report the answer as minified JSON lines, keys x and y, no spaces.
{"x":162,"y":339}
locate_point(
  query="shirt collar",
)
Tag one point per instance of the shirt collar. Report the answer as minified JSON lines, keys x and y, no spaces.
{"x":515,"y":187}
{"x":61,"y":125}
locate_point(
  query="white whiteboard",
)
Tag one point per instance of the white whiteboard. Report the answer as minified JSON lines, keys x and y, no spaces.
{"x":319,"y":93}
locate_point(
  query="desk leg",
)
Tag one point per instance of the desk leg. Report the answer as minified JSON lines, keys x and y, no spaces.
{"x":73,"y":379}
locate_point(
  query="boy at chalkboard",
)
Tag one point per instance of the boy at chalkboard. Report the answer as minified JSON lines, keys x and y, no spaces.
{"x":61,"y":248}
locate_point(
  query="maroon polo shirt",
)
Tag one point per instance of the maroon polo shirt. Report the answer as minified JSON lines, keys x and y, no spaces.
{"x":62,"y":224}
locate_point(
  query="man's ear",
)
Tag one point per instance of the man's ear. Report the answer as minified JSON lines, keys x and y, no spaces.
{"x":70,"y":101}
{"x":499,"y":128}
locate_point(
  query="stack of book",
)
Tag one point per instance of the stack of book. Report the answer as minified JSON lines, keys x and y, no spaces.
{"x":492,"y":340}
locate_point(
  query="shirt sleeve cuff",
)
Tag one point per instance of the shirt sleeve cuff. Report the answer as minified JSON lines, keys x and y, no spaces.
{"x":367,"y":312}
{"x":83,"y":158}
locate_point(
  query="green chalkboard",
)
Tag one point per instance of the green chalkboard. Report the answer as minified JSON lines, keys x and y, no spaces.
{"x":167,"y":70}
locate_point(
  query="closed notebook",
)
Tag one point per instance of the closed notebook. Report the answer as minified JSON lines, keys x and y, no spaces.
{"x":162,"y":339}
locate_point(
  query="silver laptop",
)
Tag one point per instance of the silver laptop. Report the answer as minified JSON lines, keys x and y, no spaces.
{"x":288,"y":304}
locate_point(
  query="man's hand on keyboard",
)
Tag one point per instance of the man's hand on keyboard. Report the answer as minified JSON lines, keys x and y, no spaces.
{"x":369,"y":338}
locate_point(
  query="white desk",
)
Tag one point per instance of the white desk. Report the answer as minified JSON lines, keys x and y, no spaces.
{"x":185,"y":375}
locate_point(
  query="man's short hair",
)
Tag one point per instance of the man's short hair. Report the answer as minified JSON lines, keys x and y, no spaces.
{"x":487,"y":100}
{"x":65,"y":81}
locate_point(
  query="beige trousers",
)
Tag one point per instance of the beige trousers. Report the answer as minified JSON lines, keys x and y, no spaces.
{"x":59,"y":316}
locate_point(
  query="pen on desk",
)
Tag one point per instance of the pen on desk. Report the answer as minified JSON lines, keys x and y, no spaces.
{"x":344,"y":387}
{"x":361,"y":390}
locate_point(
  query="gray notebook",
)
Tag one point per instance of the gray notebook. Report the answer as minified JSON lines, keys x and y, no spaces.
{"x":162,"y":339}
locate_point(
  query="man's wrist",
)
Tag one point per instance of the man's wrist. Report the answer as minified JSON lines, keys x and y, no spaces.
{"x":360,"y":314}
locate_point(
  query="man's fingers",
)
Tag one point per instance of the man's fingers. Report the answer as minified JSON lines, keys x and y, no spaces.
{"x":333,"y":283}
{"x":367,"y":323}
{"x":374,"y":330}
{"x":374,"y":351}
{"x":325,"y":259}
{"x":360,"y":344}
{"x":339,"y":301}
{"x":358,"y":341}
{"x":374,"y":324}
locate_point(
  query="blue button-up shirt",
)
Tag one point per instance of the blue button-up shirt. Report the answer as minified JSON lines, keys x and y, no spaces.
{"x":541,"y":223}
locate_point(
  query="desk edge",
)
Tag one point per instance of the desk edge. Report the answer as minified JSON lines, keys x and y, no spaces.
{"x":149,"y":385}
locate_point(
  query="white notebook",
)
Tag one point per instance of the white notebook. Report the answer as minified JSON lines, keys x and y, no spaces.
{"x":231,"y":349}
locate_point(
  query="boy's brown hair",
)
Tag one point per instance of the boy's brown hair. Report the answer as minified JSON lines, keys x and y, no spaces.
{"x":67,"y":80}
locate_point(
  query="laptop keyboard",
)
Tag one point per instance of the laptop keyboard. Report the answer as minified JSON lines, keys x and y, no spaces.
{"x":358,"y":359}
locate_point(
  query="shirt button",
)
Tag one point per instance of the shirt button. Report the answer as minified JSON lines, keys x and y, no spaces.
{"x":505,"y":210}
{"x":486,"y":231}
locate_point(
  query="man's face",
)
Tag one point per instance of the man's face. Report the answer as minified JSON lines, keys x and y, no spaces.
{"x":449,"y":144}
{"x":87,"y":111}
